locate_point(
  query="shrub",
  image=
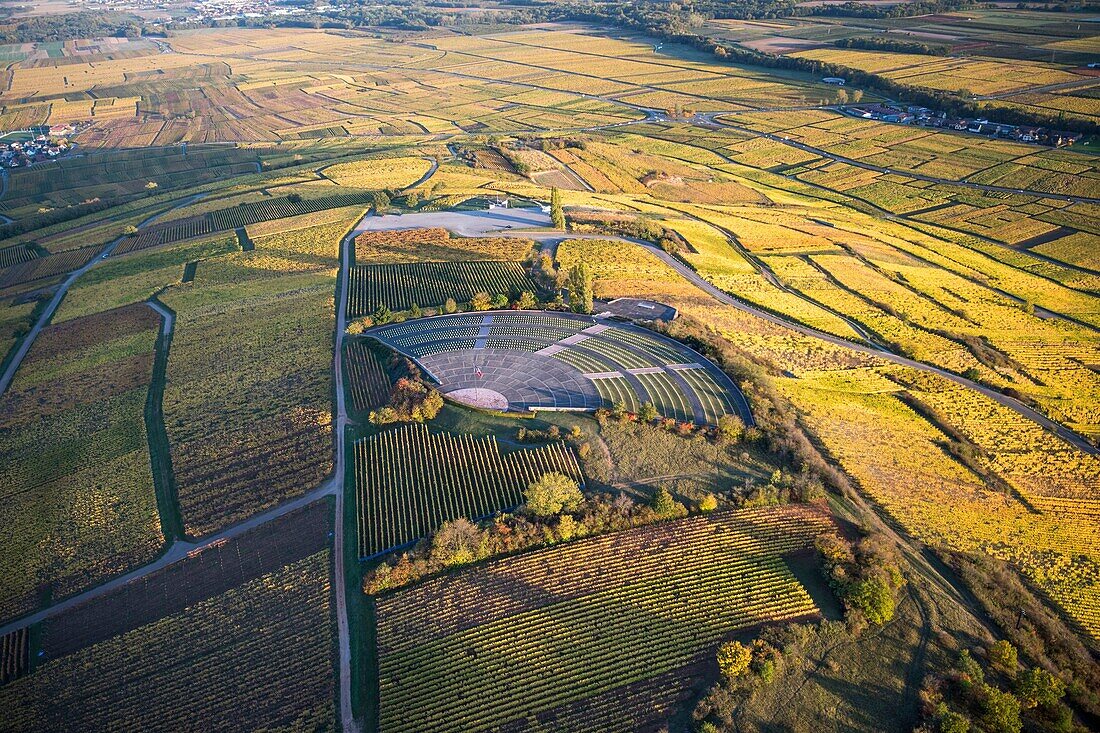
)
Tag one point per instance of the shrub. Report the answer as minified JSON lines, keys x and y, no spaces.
{"x":734,"y":659}
{"x":1038,"y":687}
{"x":1002,"y":655}
{"x":410,"y":401}
{"x":873,"y":597}
{"x":952,"y":722}
{"x":1000,"y":711}
{"x":481,"y":302}
{"x":666,"y":507}
{"x":456,"y":543}
{"x":553,"y":493}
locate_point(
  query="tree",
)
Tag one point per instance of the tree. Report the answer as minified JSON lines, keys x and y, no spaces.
{"x":414,"y":311}
{"x":841,"y":96}
{"x":410,"y":401}
{"x":734,"y":659}
{"x":708,"y":503}
{"x":354,"y":328}
{"x":450,"y":306}
{"x":857,"y":96}
{"x":151,"y":185}
{"x":500,"y":301}
{"x":380,"y":201}
{"x":411,"y":200}
{"x":481,"y":302}
{"x":457,"y":542}
{"x":665,"y":506}
{"x":730,"y":428}
{"x":1000,"y":711}
{"x":131,"y":230}
{"x":580,"y":288}
{"x":873,"y":597}
{"x":1002,"y":655}
{"x":952,"y":722}
{"x":526,"y":300}
{"x":553,"y":493}
{"x":1038,"y":687}
{"x":647,"y":413}
{"x":382,"y":315}
{"x":557,"y":215}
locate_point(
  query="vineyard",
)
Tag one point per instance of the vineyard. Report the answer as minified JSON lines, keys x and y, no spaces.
{"x":367,"y":378}
{"x":237,"y":217}
{"x":78,"y":498}
{"x":388,"y":246}
{"x":275,"y":633}
{"x":401,"y":286}
{"x":409,"y":481}
{"x":16,"y":254}
{"x":516,"y":637}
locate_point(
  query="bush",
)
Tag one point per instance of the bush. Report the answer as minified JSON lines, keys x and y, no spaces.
{"x":553,"y":493}
{"x":1038,"y":687}
{"x":456,"y":543}
{"x":410,"y":401}
{"x":666,"y":507}
{"x":873,"y":597}
{"x":734,"y":659}
{"x":481,"y":302}
{"x":1002,"y":655}
{"x":1000,"y":711}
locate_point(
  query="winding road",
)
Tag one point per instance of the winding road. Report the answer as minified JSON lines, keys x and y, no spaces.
{"x":722,"y":296}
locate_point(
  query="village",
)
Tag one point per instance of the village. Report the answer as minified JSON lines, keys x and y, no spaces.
{"x":925,"y":117}
{"x":22,"y":148}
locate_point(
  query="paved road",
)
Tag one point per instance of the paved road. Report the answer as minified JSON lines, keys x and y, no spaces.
{"x":1063,"y":432}
{"x":708,"y":120}
{"x":347,"y":715}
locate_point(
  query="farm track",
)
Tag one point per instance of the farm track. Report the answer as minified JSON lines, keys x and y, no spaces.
{"x":177,"y":551}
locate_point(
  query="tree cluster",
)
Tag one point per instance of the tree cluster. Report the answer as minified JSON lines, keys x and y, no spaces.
{"x":536,"y":524}
{"x":865,"y":577}
{"x":996,"y":697}
{"x":411,"y":400}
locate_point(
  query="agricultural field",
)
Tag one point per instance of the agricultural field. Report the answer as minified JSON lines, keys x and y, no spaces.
{"x":272,"y":460}
{"x":76,"y":466}
{"x":648,"y":613}
{"x":276,"y":629}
